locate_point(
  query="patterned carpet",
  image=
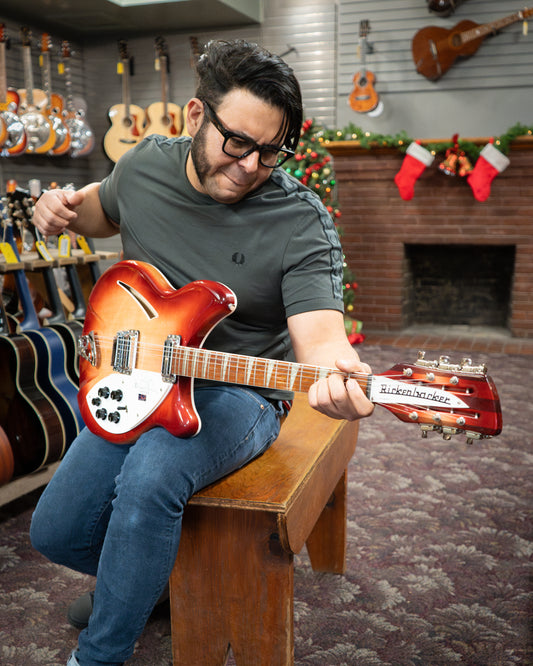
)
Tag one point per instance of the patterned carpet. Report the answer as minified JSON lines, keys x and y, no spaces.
{"x":439,"y":564}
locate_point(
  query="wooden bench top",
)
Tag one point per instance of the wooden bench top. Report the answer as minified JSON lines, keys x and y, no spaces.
{"x":294,"y":478}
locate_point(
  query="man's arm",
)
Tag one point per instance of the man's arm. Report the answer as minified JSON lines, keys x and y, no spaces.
{"x":78,"y":211}
{"x":319,"y":338}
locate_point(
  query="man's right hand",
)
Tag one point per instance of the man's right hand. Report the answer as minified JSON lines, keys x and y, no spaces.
{"x":56,"y":210}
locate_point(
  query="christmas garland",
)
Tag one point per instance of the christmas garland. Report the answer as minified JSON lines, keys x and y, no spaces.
{"x":402,"y":140}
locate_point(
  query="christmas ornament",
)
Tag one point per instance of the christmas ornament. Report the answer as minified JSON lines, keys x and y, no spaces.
{"x":489,"y":164}
{"x":417,"y":158}
{"x":455,"y":162}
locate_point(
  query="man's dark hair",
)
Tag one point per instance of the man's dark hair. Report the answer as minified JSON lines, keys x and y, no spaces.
{"x":230,"y":65}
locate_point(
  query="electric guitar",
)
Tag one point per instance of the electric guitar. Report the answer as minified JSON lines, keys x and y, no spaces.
{"x":127,"y":119}
{"x":141,"y":349}
{"x":363,"y":97}
{"x":39,"y":132}
{"x":55,"y":103}
{"x":435,"y":49}
{"x":163,"y":117}
{"x":15,"y":141}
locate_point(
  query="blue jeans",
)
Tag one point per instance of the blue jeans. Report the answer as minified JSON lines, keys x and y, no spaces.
{"x":114,"y":511}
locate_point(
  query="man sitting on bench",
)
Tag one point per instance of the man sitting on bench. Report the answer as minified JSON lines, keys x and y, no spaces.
{"x":210,"y":206}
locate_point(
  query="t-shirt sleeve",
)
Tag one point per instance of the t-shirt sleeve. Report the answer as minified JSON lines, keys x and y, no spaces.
{"x":313,"y":264}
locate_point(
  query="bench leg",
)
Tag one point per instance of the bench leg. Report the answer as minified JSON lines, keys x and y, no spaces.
{"x":326,"y":545}
{"x":236,"y":589}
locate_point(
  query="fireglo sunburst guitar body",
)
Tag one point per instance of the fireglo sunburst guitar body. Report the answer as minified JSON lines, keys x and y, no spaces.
{"x":141,"y":348}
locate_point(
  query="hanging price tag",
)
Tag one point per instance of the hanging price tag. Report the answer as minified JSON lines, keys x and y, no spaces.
{"x":63,"y":245}
{"x":43,"y":250}
{"x":8,"y":253}
{"x":120,"y":68}
{"x":524,"y":28}
{"x":82,"y":242}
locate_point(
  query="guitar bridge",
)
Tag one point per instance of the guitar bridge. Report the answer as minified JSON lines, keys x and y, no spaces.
{"x":125,"y":351}
{"x":171,"y":343}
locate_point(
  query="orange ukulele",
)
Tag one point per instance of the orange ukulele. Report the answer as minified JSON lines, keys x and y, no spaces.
{"x":127,"y":119}
{"x":55,"y":106}
{"x":39,"y":132}
{"x":15,"y":140}
{"x":163,"y":117}
{"x":436,"y":49}
{"x":141,"y":349}
{"x":363,"y":97}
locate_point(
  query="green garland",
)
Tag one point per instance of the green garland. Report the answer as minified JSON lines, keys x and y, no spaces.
{"x":401,"y":140}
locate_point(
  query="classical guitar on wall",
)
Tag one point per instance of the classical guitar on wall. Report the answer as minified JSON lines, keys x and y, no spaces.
{"x":127,"y":119}
{"x":163,"y":117}
{"x":436,"y":49}
{"x":363,"y":97}
{"x":141,"y":348}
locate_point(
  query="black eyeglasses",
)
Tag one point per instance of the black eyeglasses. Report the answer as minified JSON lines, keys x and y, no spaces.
{"x":236,"y":145}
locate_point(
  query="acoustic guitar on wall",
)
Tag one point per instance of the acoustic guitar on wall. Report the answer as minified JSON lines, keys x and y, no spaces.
{"x":127,"y":119}
{"x":163,"y":117}
{"x":363,"y":97}
{"x":435,"y":49}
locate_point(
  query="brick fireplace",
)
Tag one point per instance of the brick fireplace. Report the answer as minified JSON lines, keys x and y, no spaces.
{"x":441,"y":257}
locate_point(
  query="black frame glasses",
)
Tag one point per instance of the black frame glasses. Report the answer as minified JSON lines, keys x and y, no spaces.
{"x":239,"y":146}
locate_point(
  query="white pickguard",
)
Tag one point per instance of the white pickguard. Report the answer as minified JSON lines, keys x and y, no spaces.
{"x":141,"y":393}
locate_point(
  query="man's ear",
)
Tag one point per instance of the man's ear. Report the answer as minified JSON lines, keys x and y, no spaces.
{"x":195,"y":115}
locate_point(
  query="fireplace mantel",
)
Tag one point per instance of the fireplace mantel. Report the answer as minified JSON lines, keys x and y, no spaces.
{"x":378,"y":226}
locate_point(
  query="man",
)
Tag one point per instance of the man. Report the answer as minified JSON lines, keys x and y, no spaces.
{"x":213,"y":207}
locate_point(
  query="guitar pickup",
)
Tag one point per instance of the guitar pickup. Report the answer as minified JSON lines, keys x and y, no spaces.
{"x":87,"y":348}
{"x":125,"y":351}
{"x":171,"y":343}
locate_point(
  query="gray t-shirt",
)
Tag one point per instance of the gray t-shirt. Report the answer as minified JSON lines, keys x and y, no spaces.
{"x":277,"y":249}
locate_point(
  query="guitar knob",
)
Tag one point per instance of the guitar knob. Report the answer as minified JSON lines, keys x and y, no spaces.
{"x":103,"y":392}
{"x":101,"y":414}
{"x":116,"y":395}
{"x":114,"y":417}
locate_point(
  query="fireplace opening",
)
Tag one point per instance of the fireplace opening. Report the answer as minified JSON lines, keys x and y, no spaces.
{"x":459,"y":284}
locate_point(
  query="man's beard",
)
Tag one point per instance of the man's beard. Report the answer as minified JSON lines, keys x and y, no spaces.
{"x":198,"y":153}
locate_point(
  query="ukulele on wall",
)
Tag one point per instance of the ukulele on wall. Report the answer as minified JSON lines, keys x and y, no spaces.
{"x":127,"y":119}
{"x":39,"y":132}
{"x":163,"y":117}
{"x":363,"y":97}
{"x":435,"y":49}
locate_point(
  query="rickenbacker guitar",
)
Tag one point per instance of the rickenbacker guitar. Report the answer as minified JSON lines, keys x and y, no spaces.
{"x":163,"y":117}
{"x":15,"y":141}
{"x":435,"y":49}
{"x":141,"y":348}
{"x":363,"y":97}
{"x":127,"y":119}
{"x":39,"y":131}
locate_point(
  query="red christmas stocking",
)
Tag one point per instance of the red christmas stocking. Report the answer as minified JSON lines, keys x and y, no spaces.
{"x":489,"y":164}
{"x":417,"y":158}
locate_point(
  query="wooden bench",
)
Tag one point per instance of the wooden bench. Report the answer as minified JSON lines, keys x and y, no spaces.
{"x":232,"y":584}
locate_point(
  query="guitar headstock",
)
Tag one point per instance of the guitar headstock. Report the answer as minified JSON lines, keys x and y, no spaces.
{"x":46,"y":42}
{"x":25,"y":36}
{"x":441,"y":396}
{"x":65,"y":49}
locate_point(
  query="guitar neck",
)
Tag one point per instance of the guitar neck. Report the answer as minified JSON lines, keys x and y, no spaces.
{"x":3,"y":77}
{"x":487,"y":28}
{"x":126,"y":86}
{"x":28,"y":74}
{"x":245,"y":370}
